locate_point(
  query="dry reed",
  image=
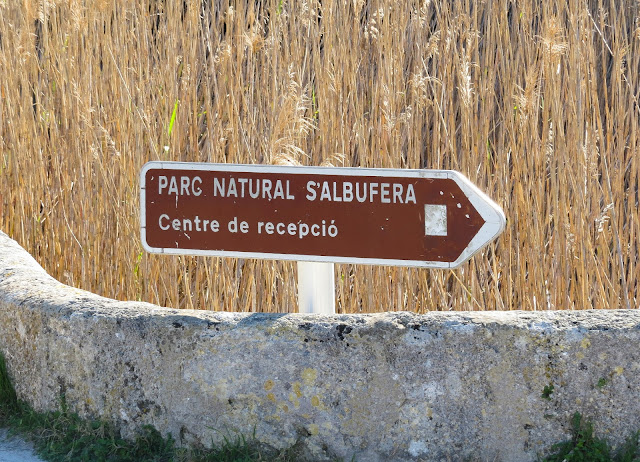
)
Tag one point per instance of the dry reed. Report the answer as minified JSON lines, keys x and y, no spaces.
{"x":535,"y":101}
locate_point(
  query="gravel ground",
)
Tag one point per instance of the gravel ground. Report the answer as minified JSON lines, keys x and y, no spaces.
{"x":15,"y":449}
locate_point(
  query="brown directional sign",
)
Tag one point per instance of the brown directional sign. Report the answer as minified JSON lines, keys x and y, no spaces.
{"x":426,"y":218}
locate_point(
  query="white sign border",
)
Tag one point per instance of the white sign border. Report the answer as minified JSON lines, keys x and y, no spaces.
{"x":493,"y":215}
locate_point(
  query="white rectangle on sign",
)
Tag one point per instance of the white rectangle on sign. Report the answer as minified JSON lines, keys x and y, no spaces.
{"x":435,"y":220}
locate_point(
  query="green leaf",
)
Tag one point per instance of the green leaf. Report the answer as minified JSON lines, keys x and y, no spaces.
{"x":173,"y":116}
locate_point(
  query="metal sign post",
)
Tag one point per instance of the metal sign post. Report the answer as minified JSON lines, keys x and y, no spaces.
{"x":316,"y":287}
{"x":421,"y":218}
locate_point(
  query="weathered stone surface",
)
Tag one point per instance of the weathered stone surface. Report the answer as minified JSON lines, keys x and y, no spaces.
{"x":388,"y":386}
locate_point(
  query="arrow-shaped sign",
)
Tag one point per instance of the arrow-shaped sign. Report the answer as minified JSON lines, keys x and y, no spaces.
{"x":425,"y":218}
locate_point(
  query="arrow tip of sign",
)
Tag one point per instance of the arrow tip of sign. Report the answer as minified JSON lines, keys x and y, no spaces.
{"x":492,"y":214}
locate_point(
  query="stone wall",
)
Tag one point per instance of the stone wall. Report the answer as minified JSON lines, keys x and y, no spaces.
{"x":388,"y":386}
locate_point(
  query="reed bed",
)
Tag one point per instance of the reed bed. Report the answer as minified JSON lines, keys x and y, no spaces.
{"x":535,"y":101}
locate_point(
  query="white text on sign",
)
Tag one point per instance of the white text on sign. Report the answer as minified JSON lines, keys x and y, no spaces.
{"x":263,"y":188}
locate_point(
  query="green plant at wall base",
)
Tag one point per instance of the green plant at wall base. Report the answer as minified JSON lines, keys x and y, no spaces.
{"x":602,"y":382}
{"x":547,"y":391}
{"x":585,"y":447}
